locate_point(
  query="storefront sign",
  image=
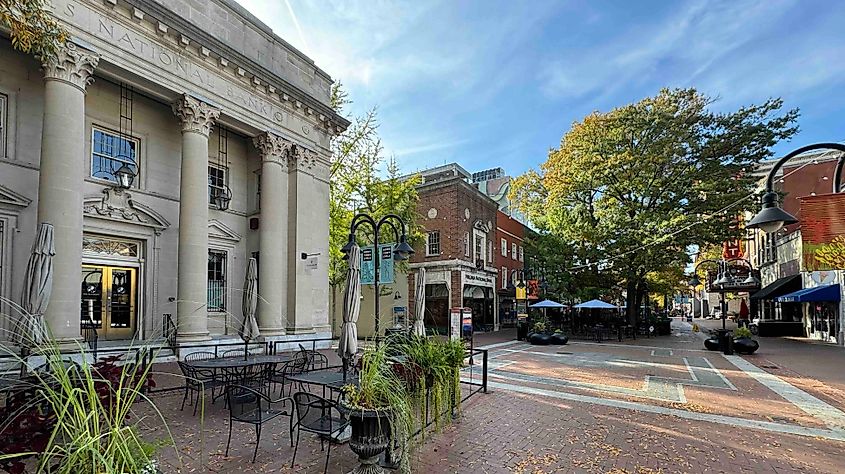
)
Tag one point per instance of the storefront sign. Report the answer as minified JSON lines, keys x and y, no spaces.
{"x":521,"y":293}
{"x":478,"y":279}
{"x":455,"y":323}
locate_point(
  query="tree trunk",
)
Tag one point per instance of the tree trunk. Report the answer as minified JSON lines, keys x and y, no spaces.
{"x":631,"y":301}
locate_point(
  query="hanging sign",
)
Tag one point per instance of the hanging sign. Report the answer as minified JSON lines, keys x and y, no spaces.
{"x":368,"y":265}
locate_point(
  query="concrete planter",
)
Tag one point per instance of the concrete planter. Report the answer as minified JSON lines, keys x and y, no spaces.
{"x":539,"y":339}
{"x":558,"y":339}
{"x":745,"y":345}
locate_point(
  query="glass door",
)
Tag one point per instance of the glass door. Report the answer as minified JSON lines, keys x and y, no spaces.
{"x":109,"y":301}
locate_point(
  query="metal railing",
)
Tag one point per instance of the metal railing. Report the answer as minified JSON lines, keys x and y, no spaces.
{"x":89,"y":334}
{"x":168,"y":329}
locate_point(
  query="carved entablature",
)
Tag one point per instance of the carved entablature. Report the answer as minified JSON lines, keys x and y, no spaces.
{"x":117,"y":204}
{"x":196,"y":115}
{"x":273,"y":148}
{"x":73,"y":65}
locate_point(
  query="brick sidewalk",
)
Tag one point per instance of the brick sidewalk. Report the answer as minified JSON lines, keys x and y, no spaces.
{"x":542,"y":423}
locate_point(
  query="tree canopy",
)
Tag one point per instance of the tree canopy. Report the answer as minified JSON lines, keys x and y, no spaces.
{"x":32,"y":28}
{"x":363,"y":180}
{"x":635,"y":187}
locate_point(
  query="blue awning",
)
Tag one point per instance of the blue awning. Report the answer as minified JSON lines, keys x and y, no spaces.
{"x":818,"y":293}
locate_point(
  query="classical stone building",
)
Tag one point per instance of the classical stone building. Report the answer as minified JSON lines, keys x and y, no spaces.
{"x":226,"y":129}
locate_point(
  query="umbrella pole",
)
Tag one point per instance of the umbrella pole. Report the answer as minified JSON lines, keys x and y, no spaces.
{"x":345,"y":367}
{"x":246,"y":348}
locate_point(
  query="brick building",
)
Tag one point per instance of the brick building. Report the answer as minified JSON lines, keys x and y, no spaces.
{"x":509,"y":259}
{"x":459,"y":224}
{"x":779,"y":256}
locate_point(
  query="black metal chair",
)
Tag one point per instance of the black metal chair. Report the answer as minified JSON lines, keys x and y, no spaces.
{"x":280,"y":373}
{"x":233,"y":353}
{"x":204,"y":355}
{"x":197,"y":381}
{"x":247,"y":405}
{"x":315,"y":414}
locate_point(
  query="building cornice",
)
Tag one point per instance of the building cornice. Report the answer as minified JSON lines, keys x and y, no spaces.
{"x":278,"y":89}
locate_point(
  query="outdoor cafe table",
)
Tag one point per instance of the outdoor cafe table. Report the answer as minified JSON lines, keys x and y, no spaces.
{"x":329,"y":378}
{"x":239,"y":362}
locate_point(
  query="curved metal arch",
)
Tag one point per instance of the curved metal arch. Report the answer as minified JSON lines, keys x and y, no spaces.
{"x":837,"y":178}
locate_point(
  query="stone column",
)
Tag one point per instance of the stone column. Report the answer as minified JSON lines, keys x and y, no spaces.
{"x":61,"y":179}
{"x":273,"y":234}
{"x":308,"y":232}
{"x":192,"y":288}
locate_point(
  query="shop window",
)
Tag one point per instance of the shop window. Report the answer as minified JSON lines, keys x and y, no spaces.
{"x":216,"y":280}
{"x":110,"y":151}
{"x":432,"y":245}
{"x":504,"y":244}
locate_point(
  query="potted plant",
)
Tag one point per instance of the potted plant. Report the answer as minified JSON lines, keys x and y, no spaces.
{"x":52,"y":417}
{"x":378,"y":409}
{"x":558,"y":338}
{"x":744,"y":342}
{"x":539,"y":336}
{"x":432,"y":374}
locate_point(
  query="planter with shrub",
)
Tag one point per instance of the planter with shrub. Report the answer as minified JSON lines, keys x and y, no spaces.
{"x":744,"y":342}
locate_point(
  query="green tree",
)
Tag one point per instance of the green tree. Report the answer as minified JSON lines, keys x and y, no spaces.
{"x":32,"y":28}
{"x":363,"y":180}
{"x":637,"y":186}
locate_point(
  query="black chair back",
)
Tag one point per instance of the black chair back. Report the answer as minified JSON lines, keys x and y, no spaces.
{"x":244,"y":403}
{"x":204,"y":355}
{"x":314,"y":413}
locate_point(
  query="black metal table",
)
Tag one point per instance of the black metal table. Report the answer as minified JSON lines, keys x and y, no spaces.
{"x":330,"y":378}
{"x":239,"y":362}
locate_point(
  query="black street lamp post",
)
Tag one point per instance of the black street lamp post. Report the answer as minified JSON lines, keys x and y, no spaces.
{"x":402,"y":250}
{"x":772,"y":217}
{"x":723,"y":278}
{"x":521,"y":327}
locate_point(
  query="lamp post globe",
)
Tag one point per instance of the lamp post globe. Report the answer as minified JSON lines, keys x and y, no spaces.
{"x":750,"y":280}
{"x":348,"y":247}
{"x":124,"y":176}
{"x":403,"y":250}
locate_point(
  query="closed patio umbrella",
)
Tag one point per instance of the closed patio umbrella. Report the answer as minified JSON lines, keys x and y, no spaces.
{"x":249,"y":329}
{"x":38,"y":285}
{"x":419,"y":305}
{"x":348,"y":345}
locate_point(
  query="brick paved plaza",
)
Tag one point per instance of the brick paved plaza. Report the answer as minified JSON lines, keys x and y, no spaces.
{"x":650,"y":405}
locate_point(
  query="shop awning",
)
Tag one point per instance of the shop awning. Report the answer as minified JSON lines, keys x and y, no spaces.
{"x":818,"y":293}
{"x":779,"y":287}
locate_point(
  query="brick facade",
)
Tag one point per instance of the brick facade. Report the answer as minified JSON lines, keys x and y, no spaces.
{"x":512,"y":231}
{"x":455,"y":208}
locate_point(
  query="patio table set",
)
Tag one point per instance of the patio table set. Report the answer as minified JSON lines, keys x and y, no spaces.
{"x":261,"y":387}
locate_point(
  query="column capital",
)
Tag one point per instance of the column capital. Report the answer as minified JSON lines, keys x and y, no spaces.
{"x":272,"y":147}
{"x":302,"y":159}
{"x":72,"y":65}
{"x":196,"y":115}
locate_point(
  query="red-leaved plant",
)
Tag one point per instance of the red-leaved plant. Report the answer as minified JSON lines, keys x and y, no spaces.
{"x":28,"y":420}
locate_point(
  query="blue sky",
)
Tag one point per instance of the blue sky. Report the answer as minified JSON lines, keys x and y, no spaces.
{"x":497,"y":83}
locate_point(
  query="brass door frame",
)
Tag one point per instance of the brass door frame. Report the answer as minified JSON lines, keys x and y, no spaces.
{"x":106,"y":331}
